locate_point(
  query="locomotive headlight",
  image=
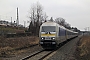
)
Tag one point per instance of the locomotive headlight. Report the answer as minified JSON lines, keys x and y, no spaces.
{"x":53,"y":38}
{"x":42,"y":38}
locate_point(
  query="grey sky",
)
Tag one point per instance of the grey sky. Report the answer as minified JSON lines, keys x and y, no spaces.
{"x":75,"y":12}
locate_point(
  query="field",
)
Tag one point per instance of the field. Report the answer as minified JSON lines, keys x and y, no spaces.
{"x":6,"y":29}
{"x":83,"y":49}
{"x":13,"y":46}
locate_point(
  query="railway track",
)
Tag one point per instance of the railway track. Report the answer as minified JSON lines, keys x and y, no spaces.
{"x":40,"y":55}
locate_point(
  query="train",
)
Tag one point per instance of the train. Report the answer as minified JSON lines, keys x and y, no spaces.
{"x":51,"y":35}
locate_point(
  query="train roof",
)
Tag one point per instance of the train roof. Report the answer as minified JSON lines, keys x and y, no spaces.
{"x":49,"y":23}
{"x":71,"y":31}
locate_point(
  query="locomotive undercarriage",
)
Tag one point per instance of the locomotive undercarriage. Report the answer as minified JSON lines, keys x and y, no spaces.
{"x":48,"y":44}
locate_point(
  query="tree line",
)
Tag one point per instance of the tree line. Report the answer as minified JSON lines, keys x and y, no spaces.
{"x":37,"y":16}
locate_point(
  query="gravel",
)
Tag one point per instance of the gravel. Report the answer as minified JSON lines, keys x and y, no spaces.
{"x":66,"y":52}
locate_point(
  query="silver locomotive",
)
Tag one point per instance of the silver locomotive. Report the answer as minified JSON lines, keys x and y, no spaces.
{"x":52,"y":34}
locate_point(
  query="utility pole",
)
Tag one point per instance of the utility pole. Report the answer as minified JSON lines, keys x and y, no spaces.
{"x":88,"y":28}
{"x":11,"y":20}
{"x":24,"y":23}
{"x":88,"y":31}
{"x":0,"y":17}
{"x":85,"y":29}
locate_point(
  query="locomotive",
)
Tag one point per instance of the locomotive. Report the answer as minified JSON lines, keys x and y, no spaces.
{"x":52,"y":34}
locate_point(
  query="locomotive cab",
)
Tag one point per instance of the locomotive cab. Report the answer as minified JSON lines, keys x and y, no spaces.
{"x":47,"y":36}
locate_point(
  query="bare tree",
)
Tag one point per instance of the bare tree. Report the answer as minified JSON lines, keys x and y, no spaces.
{"x":36,"y":17}
{"x":39,"y":15}
{"x":45,"y":17}
{"x":32,"y":13}
{"x":67,"y":25}
{"x":60,"y":21}
{"x":32,"y":17}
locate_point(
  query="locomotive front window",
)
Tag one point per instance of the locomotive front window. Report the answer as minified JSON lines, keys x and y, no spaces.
{"x":48,"y":28}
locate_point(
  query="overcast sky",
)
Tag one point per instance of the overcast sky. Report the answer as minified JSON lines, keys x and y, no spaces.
{"x":75,"y":12}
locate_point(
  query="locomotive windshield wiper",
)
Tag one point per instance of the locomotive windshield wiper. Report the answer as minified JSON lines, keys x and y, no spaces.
{"x":49,"y":33}
{"x":46,"y":32}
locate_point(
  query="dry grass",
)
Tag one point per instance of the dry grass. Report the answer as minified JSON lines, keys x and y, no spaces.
{"x":8,"y":46}
{"x":84,"y":48}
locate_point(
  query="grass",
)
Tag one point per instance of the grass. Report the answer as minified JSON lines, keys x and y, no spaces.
{"x":12,"y":46}
{"x":83,"y":49}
